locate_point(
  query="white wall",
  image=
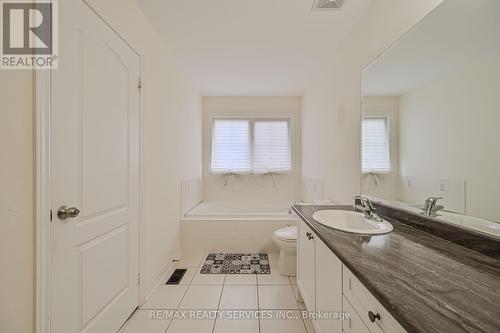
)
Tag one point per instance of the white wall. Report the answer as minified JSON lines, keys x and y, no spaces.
{"x":332,"y":103}
{"x":458,"y":115}
{"x":16,"y":202}
{"x":252,"y":187}
{"x":191,"y":136}
{"x":388,"y":184}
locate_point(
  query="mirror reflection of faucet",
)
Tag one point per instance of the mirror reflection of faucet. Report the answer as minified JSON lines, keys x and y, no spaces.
{"x":430,"y":207}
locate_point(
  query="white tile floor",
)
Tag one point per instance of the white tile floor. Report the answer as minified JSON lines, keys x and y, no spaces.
{"x":272,"y":294}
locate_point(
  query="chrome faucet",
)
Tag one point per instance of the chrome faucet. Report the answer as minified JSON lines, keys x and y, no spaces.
{"x":365,"y":205}
{"x":431,"y":207}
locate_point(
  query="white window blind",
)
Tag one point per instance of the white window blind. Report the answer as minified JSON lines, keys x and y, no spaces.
{"x":251,"y":145}
{"x":376,"y":157}
{"x":231,"y":146}
{"x":271,"y":146}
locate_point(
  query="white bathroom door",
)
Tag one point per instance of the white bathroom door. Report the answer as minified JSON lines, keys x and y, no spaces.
{"x":95,"y":141}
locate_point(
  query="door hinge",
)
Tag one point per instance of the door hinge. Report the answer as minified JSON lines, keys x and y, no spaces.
{"x":51,"y":215}
{"x":139,"y":84}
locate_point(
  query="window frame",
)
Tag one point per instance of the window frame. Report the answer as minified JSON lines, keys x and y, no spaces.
{"x":252,"y":118}
{"x":388,"y":122}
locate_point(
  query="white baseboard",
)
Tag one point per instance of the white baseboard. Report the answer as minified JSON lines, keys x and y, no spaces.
{"x":161,"y":276}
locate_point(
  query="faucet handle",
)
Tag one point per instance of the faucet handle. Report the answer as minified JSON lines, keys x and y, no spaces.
{"x":430,"y":206}
{"x":433,"y":199}
{"x":363,"y":203}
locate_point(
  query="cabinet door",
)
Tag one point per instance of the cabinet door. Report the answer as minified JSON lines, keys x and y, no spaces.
{"x":354,"y":324}
{"x":305,"y":265}
{"x":328,"y":287}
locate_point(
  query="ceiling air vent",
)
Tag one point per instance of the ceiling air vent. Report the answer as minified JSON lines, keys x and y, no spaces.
{"x":327,"y":4}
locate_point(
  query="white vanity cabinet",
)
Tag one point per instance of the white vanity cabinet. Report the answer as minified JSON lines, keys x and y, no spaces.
{"x":319,"y":279}
{"x":327,"y":286}
{"x":306,"y":270}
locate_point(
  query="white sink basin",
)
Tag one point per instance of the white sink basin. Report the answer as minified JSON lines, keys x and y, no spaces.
{"x":351,"y":222}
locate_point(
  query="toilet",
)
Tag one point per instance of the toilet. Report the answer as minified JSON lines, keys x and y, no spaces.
{"x":286,"y":240}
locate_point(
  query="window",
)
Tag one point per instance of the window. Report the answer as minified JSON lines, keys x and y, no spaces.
{"x":375,"y":141}
{"x":251,"y":145}
{"x":271,"y":146}
{"x":231,"y":146}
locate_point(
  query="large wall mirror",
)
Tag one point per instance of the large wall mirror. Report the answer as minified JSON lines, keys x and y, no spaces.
{"x":431,"y":118}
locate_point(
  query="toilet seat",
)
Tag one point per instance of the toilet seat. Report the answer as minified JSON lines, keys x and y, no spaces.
{"x":287,"y":234}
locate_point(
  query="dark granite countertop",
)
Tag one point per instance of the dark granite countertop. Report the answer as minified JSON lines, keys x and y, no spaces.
{"x":427,"y":283}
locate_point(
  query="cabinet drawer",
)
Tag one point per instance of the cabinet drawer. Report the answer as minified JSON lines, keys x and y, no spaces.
{"x":354,"y":324}
{"x":364,"y":302}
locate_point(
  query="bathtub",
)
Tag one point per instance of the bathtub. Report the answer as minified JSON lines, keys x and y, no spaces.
{"x":234,"y":226}
{"x":241,"y":210}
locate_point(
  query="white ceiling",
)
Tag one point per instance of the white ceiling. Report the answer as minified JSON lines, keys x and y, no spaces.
{"x":455,"y":34}
{"x":251,"y":47}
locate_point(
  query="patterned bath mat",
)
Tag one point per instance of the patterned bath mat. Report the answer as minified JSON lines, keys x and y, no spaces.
{"x":236,"y":263}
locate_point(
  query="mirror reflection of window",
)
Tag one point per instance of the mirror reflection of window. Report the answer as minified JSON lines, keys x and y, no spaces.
{"x":375,"y":141}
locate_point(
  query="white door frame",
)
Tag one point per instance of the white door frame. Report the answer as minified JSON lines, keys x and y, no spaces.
{"x":43,"y":105}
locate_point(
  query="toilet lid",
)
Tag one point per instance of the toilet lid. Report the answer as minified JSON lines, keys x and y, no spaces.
{"x":287,"y":233}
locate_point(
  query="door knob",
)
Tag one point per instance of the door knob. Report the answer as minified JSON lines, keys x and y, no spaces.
{"x":64,"y":212}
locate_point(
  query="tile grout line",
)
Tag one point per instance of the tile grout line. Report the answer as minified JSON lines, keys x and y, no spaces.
{"x":182,"y":298}
{"x":178,"y":305}
{"x":218,"y":304}
{"x":189,"y":286}
{"x":258,"y":296}
{"x":298,"y":305}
